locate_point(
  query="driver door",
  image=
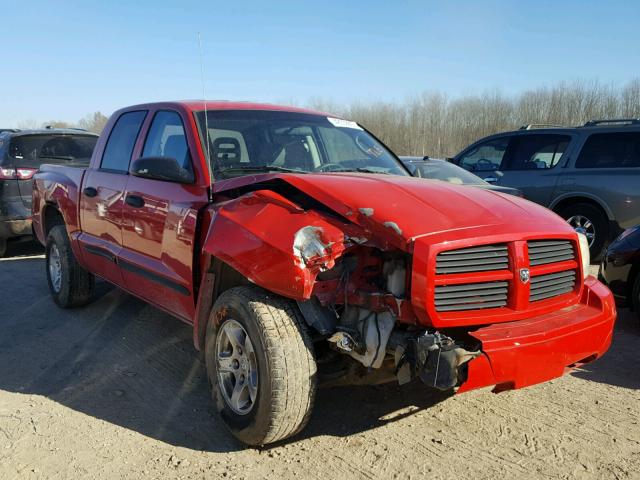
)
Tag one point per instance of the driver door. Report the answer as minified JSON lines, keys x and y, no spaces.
{"x":485,"y":158}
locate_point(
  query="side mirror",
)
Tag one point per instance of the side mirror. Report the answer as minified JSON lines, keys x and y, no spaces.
{"x":166,"y":169}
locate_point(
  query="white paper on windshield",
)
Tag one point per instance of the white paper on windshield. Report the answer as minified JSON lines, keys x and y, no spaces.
{"x":339,"y":122}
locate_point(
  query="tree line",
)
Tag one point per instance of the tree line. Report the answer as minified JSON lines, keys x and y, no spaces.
{"x":93,"y":122}
{"x":438,"y":125}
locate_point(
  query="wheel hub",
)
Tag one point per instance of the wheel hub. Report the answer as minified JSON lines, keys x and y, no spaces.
{"x":55,"y":268}
{"x":582,"y":224}
{"x":236,"y":367}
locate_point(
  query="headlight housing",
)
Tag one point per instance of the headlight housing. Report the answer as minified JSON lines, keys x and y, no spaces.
{"x":584,"y":254}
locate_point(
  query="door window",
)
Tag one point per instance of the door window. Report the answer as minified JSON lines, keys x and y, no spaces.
{"x":167,"y":138}
{"x":119,"y":148}
{"x":610,"y":150}
{"x":485,"y":157}
{"x":535,"y":152}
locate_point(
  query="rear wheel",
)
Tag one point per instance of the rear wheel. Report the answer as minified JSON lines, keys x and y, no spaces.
{"x":588,"y":219}
{"x":3,"y":247}
{"x":260,"y":365}
{"x":69,"y":283}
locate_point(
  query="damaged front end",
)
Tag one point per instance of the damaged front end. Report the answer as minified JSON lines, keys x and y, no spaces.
{"x":350,"y":274}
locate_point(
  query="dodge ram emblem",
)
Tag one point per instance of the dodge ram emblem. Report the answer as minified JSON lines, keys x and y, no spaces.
{"x":525,"y":275}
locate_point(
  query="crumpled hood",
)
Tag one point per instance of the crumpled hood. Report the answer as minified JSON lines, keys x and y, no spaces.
{"x":412,"y":207}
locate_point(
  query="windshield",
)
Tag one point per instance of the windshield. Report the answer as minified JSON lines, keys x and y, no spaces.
{"x":441,"y":170}
{"x":33,"y":150}
{"x":242,"y":142}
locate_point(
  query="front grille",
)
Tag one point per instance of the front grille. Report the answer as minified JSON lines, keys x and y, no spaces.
{"x":552,"y":285}
{"x":542,"y":252}
{"x":471,"y":296}
{"x":473,"y":259}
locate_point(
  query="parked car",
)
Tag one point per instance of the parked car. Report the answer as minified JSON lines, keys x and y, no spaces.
{"x":621,"y":268}
{"x":589,"y":175}
{"x":303,"y":253}
{"x":21,"y":154}
{"x":437,"y":169}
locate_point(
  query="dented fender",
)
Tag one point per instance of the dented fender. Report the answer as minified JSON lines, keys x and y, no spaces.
{"x":273,"y":242}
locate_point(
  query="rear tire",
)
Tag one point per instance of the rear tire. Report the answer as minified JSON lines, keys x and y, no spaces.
{"x":593,"y":221}
{"x":3,"y":247}
{"x":278,"y":402}
{"x":69,"y":283}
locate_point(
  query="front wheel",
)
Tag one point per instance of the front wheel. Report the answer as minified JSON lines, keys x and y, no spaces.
{"x":260,"y":365}
{"x":587,"y":219}
{"x":70,"y":284}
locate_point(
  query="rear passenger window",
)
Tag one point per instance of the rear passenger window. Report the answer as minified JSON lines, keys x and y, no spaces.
{"x":534,"y":152}
{"x":119,"y":148}
{"x":166,"y":138}
{"x":610,"y":150}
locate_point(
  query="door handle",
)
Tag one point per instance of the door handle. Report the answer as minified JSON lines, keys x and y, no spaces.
{"x":90,"y":192}
{"x":134,"y":201}
{"x":491,"y":179}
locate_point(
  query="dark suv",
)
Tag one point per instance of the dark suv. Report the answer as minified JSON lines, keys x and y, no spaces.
{"x":21,"y":154}
{"x":589,"y":175}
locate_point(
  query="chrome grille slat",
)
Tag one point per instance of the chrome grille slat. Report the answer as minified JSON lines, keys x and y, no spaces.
{"x":474,"y":296}
{"x":473,"y":259}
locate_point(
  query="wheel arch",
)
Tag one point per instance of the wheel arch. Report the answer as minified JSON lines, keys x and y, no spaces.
{"x":51,"y":216}
{"x":565,"y":200}
{"x":217,"y":278}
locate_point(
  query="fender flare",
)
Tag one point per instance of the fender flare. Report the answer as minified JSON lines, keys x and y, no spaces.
{"x":577,"y":195}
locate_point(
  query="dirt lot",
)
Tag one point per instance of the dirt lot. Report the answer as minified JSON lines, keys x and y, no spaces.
{"x":116,"y":390}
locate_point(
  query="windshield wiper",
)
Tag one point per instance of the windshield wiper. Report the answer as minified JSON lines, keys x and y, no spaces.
{"x":259,"y":169}
{"x":359,"y":169}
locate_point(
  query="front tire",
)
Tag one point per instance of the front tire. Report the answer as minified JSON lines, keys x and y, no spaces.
{"x":260,"y":365}
{"x":3,"y":247}
{"x":69,"y":283}
{"x":589,"y":219}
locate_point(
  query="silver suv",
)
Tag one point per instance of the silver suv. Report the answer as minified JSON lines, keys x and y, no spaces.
{"x":589,"y":175}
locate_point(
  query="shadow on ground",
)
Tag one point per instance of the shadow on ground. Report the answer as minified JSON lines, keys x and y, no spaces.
{"x":127,"y":363}
{"x":17,"y":249}
{"x":619,"y":366}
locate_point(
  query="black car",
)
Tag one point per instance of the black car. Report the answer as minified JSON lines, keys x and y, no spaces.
{"x":21,"y":154}
{"x":621,"y":268}
{"x":437,"y":169}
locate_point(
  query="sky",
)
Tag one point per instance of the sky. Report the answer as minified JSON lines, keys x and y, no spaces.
{"x":63,"y":60}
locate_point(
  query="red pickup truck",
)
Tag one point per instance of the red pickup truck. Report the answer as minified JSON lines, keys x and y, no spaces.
{"x":304,"y":254}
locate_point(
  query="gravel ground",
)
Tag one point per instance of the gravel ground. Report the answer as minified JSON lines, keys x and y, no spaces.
{"x":116,"y":390}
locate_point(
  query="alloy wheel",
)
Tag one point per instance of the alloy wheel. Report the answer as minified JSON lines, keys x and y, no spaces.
{"x":55,"y":267}
{"x":237,"y":367}
{"x":582,"y":224}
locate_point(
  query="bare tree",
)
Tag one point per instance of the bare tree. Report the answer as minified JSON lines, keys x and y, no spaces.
{"x":94,"y":122}
{"x":434,"y":124}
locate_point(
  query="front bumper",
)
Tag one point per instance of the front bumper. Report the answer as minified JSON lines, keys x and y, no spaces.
{"x":522,"y":353}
